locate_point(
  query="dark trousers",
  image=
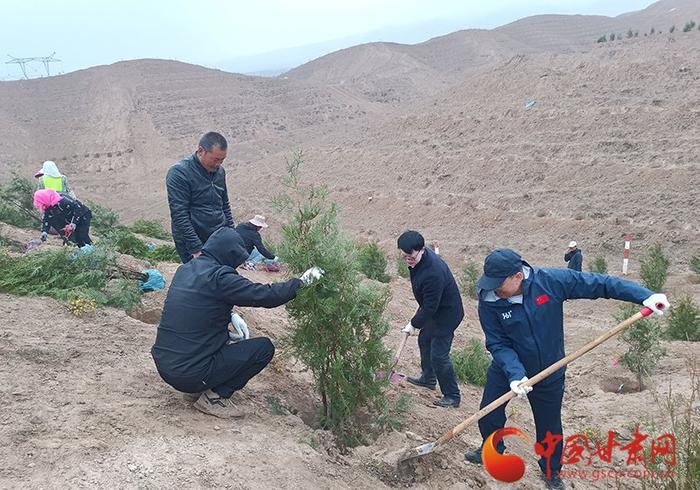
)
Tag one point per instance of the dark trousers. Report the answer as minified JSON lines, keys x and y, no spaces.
{"x":436,"y":364}
{"x":81,"y":234}
{"x":545,"y":401}
{"x":230,"y":369}
{"x":185,"y":256}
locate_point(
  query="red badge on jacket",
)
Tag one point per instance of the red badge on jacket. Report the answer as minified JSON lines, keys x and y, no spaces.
{"x":541,"y":299}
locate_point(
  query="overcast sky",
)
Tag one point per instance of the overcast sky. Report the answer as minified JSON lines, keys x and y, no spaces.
{"x":86,"y":33}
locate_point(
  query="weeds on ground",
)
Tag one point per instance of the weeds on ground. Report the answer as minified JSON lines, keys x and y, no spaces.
{"x":695,"y":264}
{"x":150,"y":228}
{"x":104,"y":219}
{"x":471,"y":363}
{"x":683,"y":423}
{"x":372,"y":261}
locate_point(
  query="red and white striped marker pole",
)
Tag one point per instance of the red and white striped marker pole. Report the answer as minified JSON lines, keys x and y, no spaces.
{"x":626,"y":254}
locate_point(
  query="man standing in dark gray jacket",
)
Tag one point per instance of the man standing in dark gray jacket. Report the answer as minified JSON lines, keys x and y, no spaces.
{"x":198,"y":197}
{"x":193,"y":351}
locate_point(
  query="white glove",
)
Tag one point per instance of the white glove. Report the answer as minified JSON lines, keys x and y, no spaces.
{"x":43,"y":236}
{"x":276,"y":259}
{"x":410,"y":329}
{"x":311,"y":275}
{"x":521,"y":391}
{"x":242,"y":332}
{"x":654,"y":301}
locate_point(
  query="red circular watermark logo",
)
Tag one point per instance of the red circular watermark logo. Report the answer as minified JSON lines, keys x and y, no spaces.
{"x":507,"y":468}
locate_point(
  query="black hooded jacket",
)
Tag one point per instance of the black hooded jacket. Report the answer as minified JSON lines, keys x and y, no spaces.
{"x":67,"y":211}
{"x":197,"y":310}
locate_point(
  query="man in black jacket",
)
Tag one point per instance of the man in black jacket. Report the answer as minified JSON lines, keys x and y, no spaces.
{"x":440,"y":312}
{"x":192,"y":351}
{"x":198,"y":197}
{"x":250,"y":233}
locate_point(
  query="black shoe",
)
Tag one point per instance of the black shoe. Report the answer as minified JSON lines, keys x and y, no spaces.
{"x":446,"y":401}
{"x":555,"y":483}
{"x":474,"y":456}
{"x":419,"y":382}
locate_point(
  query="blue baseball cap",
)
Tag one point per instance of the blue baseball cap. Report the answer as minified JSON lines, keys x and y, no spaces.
{"x":499,"y":265}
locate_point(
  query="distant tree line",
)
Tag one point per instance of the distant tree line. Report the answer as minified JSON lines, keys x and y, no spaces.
{"x":689,"y":26}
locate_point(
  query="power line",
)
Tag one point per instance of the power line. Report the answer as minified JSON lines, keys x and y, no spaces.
{"x":22,"y":62}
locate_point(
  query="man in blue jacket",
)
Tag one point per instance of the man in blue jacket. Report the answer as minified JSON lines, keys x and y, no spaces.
{"x":198,"y":197}
{"x":439,"y":314}
{"x":193,"y":351}
{"x":522,"y":315}
{"x":574,"y":257}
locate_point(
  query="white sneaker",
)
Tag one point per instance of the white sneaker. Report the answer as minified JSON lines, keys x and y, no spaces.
{"x":212,"y":403}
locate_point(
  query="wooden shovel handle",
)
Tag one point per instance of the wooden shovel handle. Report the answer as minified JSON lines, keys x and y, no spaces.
{"x":644,"y":312}
{"x":402,"y":344}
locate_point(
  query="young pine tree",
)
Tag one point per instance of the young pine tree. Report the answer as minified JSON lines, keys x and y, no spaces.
{"x":338,"y":322}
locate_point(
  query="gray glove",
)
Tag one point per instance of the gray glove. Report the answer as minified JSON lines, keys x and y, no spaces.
{"x":43,"y":236}
{"x":312,"y":275}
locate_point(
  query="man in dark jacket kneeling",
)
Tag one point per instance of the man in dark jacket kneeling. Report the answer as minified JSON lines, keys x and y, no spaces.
{"x":193,"y":351}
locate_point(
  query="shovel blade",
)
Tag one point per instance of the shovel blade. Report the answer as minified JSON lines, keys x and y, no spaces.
{"x":424,"y":449}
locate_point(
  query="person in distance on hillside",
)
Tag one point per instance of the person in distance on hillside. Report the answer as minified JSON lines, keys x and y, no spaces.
{"x":198,"y":197}
{"x":521,"y":314}
{"x":440,"y":312}
{"x":574,"y":257}
{"x":68,"y":216}
{"x":250,"y":233}
{"x":48,"y":177}
{"x":194,"y":351}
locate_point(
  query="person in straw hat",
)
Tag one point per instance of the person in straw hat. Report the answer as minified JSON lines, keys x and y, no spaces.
{"x":250,"y":232}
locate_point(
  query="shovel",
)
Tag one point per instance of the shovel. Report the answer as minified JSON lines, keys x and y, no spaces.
{"x":449,"y":435}
{"x":394,"y":377}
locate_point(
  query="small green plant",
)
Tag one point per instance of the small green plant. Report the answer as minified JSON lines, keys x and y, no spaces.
{"x":150,"y":228}
{"x":603,"y":39}
{"x":372,"y":261}
{"x":80,"y":305}
{"x":673,"y":28}
{"x":394,"y":417}
{"x":652,"y":31}
{"x":471,"y":363}
{"x":401,"y":267}
{"x":695,"y":264}
{"x":163,"y":253}
{"x":599,"y":265}
{"x":654,"y":268}
{"x":643,"y":344}
{"x":689,"y":26}
{"x":612,"y":36}
{"x":630,"y":33}
{"x":104,"y":219}
{"x":276,"y":405}
{"x":684,"y":320}
{"x":468,"y":277}
{"x":17,"y":203}
{"x":125,"y":242}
